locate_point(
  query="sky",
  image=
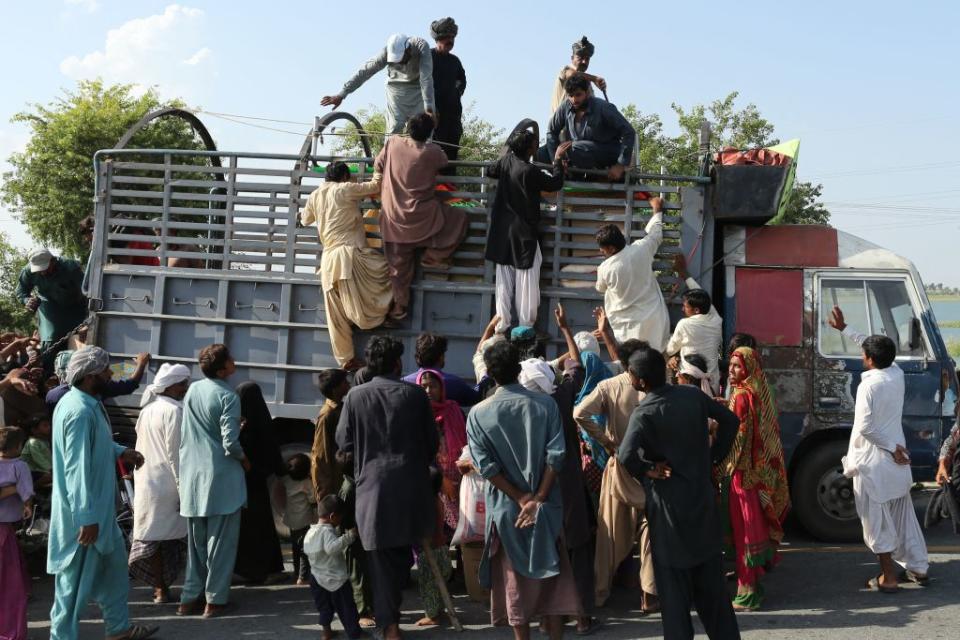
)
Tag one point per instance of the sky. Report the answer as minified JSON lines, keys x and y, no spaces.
{"x":870,"y":88}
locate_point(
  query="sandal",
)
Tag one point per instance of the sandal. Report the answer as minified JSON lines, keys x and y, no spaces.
{"x":875,"y":585}
{"x":909,"y":576}
{"x":139,"y":632}
{"x":595,"y":624}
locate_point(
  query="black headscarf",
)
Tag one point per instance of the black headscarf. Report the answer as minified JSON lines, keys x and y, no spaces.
{"x":257,"y":438}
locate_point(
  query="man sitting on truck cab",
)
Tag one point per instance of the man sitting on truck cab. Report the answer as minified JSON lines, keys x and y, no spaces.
{"x":632,"y":298}
{"x":412,"y":217}
{"x":602,"y":138}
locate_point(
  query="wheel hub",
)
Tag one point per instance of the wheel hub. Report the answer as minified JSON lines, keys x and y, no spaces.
{"x":835,"y":494}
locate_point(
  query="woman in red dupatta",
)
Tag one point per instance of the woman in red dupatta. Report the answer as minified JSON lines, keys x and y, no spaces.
{"x":453,"y":438}
{"x":754,"y":479}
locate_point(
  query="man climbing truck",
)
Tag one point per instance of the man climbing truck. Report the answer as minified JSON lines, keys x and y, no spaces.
{"x":259,"y":295}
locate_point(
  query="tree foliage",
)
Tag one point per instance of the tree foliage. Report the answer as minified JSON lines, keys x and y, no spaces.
{"x":51,"y":184}
{"x":13,"y":315}
{"x":742,"y":128}
{"x":481,"y":140}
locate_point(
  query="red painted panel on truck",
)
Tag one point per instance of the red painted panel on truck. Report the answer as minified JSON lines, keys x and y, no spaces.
{"x":770,"y":305}
{"x":793,"y":246}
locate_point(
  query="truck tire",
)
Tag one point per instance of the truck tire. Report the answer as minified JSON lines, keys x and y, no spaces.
{"x":823,"y":497}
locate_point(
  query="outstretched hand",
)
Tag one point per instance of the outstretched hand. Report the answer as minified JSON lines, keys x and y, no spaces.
{"x":603,"y":323}
{"x":334,"y":101}
{"x":836,"y":319}
{"x":561,"y":317}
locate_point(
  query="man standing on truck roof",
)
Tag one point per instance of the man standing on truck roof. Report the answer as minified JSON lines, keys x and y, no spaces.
{"x":449,"y":83}
{"x":409,"y":66}
{"x":412,"y":217}
{"x":582,"y":52}
{"x":51,"y":287}
{"x":512,"y":236}
{"x":879,"y":463}
{"x":353,"y":276}
{"x":632,"y":298}
{"x":602,"y":138}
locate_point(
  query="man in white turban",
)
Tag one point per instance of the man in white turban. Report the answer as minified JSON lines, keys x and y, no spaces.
{"x":86,"y":553}
{"x":159,"y":545}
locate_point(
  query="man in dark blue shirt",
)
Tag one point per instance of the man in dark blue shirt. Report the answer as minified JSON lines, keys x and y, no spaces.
{"x":602,"y":138}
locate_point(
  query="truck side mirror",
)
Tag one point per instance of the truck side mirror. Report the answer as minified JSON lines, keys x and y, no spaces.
{"x":915,"y":334}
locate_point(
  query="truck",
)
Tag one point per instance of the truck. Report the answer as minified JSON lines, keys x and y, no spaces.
{"x":253,"y":286}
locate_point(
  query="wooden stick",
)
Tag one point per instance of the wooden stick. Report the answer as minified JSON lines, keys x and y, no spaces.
{"x":441,"y":584}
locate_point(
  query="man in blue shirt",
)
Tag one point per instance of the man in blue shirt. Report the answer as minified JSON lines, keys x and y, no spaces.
{"x":602,"y":138}
{"x":430,"y":353}
{"x":212,"y":485}
{"x":86,"y":553}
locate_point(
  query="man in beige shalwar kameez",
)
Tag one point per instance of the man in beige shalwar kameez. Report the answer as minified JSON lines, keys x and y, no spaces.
{"x":354,"y":277}
{"x":620,"y":519}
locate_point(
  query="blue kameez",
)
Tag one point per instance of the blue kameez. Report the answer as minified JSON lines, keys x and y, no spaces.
{"x":85,"y":493}
{"x":517,"y":433}
{"x":212,"y":488}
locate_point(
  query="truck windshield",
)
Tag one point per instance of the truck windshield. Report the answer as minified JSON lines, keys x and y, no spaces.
{"x":872,"y":307}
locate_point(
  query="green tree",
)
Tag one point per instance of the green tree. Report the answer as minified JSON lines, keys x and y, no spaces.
{"x":51,"y":184}
{"x":481,"y":140}
{"x":13,"y":315}
{"x":730,"y":127}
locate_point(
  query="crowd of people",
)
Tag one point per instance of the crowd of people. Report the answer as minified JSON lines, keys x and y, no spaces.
{"x":644,"y":455}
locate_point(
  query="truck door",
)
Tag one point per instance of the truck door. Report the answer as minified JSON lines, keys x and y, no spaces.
{"x":885,"y":304}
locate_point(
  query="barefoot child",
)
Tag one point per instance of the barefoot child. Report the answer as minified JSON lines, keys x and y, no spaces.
{"x":329,"y":576}
{"x":440,"y":550}
{"x":16,"y":503}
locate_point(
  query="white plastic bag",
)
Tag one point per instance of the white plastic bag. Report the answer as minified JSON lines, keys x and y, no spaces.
{"x":473,"y":512}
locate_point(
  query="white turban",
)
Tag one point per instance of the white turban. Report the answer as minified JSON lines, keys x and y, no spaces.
{"x":537,"y":375}
{"x":696,"y":373}
{"x":84,"y":362}
{"x":167,"y":376}
{"x":586,"y":342}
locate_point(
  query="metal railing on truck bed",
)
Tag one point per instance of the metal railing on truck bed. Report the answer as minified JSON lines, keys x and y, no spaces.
{"x":253,"y":284}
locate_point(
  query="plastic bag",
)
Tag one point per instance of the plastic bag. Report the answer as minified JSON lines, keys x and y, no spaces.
{"x":473,"y":512}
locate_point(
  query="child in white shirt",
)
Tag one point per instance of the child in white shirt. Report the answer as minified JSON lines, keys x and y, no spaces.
{"x":329,"y":575}
{"x":700,"y":332}
{"x":299,"y":502}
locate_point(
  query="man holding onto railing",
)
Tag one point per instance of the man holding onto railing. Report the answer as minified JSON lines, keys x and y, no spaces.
{"x":602,"y":138}
{"x":412,"y":217}
{"x":512,"y":236}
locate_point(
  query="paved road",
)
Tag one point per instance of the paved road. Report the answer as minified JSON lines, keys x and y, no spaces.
{"x":814,"y":594}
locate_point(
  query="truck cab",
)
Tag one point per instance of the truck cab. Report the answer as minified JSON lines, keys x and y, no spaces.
{"x":780,"y":284}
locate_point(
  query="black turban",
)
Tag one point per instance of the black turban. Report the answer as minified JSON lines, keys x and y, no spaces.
{"x":443,"y":28}
{"x":583,"y":48}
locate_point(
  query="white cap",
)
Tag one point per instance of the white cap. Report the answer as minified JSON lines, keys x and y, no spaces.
{"x":396,"y":47}
{"x":40,"y":260}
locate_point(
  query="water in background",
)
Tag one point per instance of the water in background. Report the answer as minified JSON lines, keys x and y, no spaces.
{"x":947,"y":311}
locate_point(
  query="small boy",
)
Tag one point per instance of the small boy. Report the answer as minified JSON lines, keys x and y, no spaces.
{"x":329,"y":576}
{"x":36,"y":452}
{"x":700,"y":331}
{"x":429,"y":591}
{"x":16,"y":503}
{"x":298,"y":511}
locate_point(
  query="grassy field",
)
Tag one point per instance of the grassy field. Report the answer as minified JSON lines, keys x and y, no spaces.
{"x":953,"y":346}
{"x":949,"y":324}
{"x":943,"y":297}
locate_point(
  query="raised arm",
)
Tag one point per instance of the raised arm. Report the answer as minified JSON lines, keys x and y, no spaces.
{"x":605,"y":333}
{"x":370,"y":68}
{"x":651,"y":241}
{"x":573,"y":351}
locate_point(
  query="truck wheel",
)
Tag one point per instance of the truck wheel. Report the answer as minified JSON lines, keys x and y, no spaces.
{"x":823,"y":496}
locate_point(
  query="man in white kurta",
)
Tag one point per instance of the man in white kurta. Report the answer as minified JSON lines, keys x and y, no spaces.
{"x":631,"y":294}
{"x":878,"y":462}
{"x":354,"y":277}
{"x":159,"y":545}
